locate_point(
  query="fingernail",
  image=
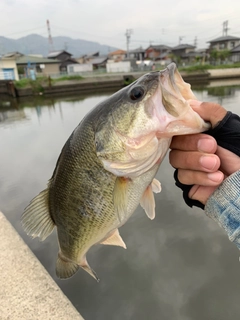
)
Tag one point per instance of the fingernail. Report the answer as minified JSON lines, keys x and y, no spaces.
{"x":206,"y":145}
{"x":216,"y":176}
{"x":208,"y":162}
{"x":194,"y":103}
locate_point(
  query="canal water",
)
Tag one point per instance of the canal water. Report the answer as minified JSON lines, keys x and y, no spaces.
{"x":179,"y":266}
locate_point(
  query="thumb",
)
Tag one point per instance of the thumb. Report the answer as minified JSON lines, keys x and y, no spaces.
{"x":208,"y":111}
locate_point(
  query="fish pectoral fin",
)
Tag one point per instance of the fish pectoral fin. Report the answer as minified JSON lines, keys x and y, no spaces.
{"x":115,"y":240}
{"x":156,"y":186}
{"x":65,"y":268}
{"x":36,"y":218}
{"x":84,"y":265}
{"x":148,"y":203}
{"x":120,"y":197}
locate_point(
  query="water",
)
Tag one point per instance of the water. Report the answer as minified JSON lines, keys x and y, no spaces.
{"x":179,"y":266}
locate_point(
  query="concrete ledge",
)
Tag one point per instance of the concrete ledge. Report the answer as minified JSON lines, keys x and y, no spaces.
{"x":26,"y":289}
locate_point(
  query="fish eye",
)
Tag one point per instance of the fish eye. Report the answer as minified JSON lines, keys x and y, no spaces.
{"x":136,"y":93}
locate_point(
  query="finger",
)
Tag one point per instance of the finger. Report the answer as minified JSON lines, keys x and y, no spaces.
{"x":230,"y":162}
{"x":209,"y":111}
{"x":196,"y":161}
{"x":201,"y":193}
{"x":200,"y":178}
{"x":201,"y":142}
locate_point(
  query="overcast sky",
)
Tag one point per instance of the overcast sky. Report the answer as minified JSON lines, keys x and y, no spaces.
{"x":106,"y":21}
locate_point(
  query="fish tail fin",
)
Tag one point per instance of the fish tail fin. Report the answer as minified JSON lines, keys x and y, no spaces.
{"x":36,"y":219}
{"x":85,"y":266}
{"x":65,"y":268}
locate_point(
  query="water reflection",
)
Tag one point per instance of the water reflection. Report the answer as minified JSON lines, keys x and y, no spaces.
{"x":179,"y":266}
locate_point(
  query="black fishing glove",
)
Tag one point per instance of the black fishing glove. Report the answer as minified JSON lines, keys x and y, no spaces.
{"x":227,"y":135}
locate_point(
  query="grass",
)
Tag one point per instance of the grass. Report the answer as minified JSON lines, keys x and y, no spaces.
{"x":40,"y":82}
{"x":208,"y":66}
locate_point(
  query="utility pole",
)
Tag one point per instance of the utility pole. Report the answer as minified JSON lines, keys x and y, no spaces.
{"x":195,"y":41}
{"x":128,"y":35}
{"x":50,"y":40}
{"x":180,"y":39}
{"x":225,"y":28}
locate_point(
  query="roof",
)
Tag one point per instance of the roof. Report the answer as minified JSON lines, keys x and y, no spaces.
{"x":159,"y":47}
{"x":31,"y":59}
{"x":54,"y":54}
{"x":138,"y":50}
{"x":236,"y":49}
{"x":98,"y":60}
{"x":224,"y":38}
{"x":12,"y":54}
{"x":117,"y":52}
{"x":183,"y":46}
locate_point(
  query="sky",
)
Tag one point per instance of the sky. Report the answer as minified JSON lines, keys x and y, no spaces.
{"x":155,"y":22}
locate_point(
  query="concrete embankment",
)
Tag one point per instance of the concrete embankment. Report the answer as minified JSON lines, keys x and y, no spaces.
{"x":115,"y":82}
{"x":27,"y":291}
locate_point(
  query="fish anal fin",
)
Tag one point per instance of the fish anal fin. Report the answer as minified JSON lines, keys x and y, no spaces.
{"x":120,"y":197}
{"x":156,"y":186}
{"x":148,"y":203}
{"x":65,"y":268}
{"x":36,"y":219}
{"x":85,"y":266}
{"x":115,"y":240}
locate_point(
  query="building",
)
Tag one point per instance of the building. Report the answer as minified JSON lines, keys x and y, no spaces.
{"x":235,"y":54}
{"x":117,"y":55}
{"x":138,"y":54}
{"x":224,"y":43}
{"x":182,"y":49}
{"x":8,"y":68}
{"x":39,"y":65}
{"x":65,"y":58}
{"x":157,"y":52}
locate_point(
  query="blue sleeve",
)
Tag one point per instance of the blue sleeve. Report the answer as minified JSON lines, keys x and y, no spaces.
{"x":224,"y":207}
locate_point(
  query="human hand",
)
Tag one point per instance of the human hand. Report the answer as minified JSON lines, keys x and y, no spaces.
{"x":198,"y":158}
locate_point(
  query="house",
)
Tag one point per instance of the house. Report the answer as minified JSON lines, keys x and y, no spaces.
{"x":138,"y":54}
{"x":39,"y":65}
{"x":235,"y":54}
{"x":65,"y":58}
{"x":182,"y":49}
{"x":157,"y":52}
{"x":8,"y":68}
{"x":224,"y":43}
{"x":117,"y":55}
{"x":86,"y":58}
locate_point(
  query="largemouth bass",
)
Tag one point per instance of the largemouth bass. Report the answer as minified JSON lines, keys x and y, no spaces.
{"x":107,"y":167}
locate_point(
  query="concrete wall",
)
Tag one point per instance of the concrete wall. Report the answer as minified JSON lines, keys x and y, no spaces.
{"x":27,"y":291}
{"x":123,"y":66}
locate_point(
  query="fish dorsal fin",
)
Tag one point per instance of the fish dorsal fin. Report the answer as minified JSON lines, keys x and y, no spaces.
{"x":156,"y":186}
{"x":120,"y":197}
{"x":148,"y":202}
{"x":115,"y":240}
{"x":84,"y":265}
{"x":36,"y":219}
{"x":65,"y":268}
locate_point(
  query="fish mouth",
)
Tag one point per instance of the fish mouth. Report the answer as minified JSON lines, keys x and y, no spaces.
{"x":175,"y":114}
{"x":173,"y":84}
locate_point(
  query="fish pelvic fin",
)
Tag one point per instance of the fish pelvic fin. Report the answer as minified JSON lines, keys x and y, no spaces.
{"x":65,"y":268}
{"x":36,"y":219}
{"x":156,"y":186}
{"x":115,"y":240}
{"x":120,"y":197}
{"x":85,"y":266}
{"x":148,"y":202}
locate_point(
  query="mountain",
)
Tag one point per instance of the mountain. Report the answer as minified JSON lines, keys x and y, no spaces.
{"x":36,"y":44}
